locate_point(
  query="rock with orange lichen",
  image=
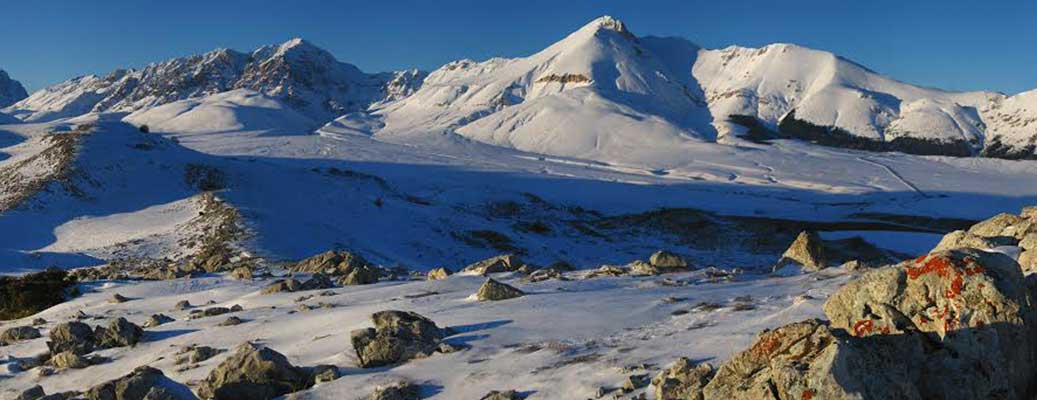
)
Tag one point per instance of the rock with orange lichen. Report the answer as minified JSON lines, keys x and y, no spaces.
{"x":810,"y":360}
{"x":972,"y":308}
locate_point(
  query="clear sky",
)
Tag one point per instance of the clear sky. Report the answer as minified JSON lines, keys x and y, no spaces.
{"x":952,"y":44}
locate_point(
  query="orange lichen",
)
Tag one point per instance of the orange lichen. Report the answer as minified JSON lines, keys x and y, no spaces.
{"x":766,"y":345}
{"x":807,"y":394}
{"x":940,"y":265}
{"x":863,"y":327}
{"x":956,"y":285}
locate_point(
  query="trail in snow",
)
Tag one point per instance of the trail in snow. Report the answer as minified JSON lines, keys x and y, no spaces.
{"x":892,"y":172}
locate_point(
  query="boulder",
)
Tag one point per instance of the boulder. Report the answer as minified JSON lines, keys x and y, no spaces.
{"x":195,"y":354}
{"x":156,"y":320}
{"x":607,"y":270}
{"x":807,"y":250}
{"x":438,"y":274}
{"x":242,"y":273}
{"x":71,"y":336}
{"x":33,"y":393}
{"x":253,"y":372}
{"x":809,"y":360}
{"x":211,"y":312}
{"x":182,"y":305}
{"x":144,"y":383}
{"x":324,"y":373}
{"x":972,"y":306}
{"x":492,"y":265}
{"x":397,"y":336}
{"x":119,"y":333}
{"x":668,"y":261}
{"x":231,"y":321}
{"x":545,"y":274}
{"x":965,"y":239}
{"x":1028,"y":261}
{"x":995,"y":226}
{"x":498,"y":395}
{"x":68,"y":359}
{"x":331,"y":263}
{"x":1029,"y":241}
{"x":118,"y":298}
{"x":401,"y":390}
{"x":682,"y":380}
{"x":17,"y":334}
{"x":493,"y":290}
{"x":363,"y":275}
{"x":281,"y":286}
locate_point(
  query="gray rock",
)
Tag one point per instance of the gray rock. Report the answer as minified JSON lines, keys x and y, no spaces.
{"x":282,"y":286}
{"x":18,"y":333}
{"x":33,"y":393}
{"x":118,"y":333}
{"x":807,"y":250}
{"x":324,"y":373}
{"x":231,"y":321}
{"x":195,"y":354}
{"x":1028,"y":261}
{"x":363,"y":275}
{"x":492,"y":265}
{"x":397,"y":336}
{"x":493,"y":290}
{"x":438,"y":274}
{"x":498,"y":395}
{"x":253,"y":372}
{"x":68,"y":359}
{"x":182,"y":305}
{"x":541,"y":275}
{"x":144,"y":383}
{"x":73,"y":336}
{"x":331,"y":263}
{"x":682,"y":380}
{"x":995,"y":226}
{"x":1029,"y":241}
{"x":401,"y":390}
{"x":317,"y":282}
{"x":210,"y":312}
{"x":242,"y":273}
{"x":964,"y":239}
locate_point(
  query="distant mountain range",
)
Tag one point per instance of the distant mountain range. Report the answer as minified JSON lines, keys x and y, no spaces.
{"x":600,"y":92}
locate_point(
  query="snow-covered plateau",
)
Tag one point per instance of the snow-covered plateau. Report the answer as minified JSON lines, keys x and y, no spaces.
{"x":635,"y":199}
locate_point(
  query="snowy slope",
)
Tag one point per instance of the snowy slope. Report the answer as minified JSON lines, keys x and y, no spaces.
{"x":1012,"y":123}
{"x":296,"y":73}
{"x":239,"y":110}
{"x":11,"y":91}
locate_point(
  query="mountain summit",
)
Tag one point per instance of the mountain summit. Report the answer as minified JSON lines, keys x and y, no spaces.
{"x":11,"y":90}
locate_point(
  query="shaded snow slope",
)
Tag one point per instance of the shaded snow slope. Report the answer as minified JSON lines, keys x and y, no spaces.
{"x":240,"y":110}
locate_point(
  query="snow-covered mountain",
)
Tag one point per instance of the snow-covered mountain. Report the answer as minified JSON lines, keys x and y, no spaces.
{"x":11,"y":91}
{"x":296,"y":73}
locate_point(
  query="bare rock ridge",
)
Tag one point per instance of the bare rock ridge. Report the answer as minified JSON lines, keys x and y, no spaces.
{"x":11,"y":91}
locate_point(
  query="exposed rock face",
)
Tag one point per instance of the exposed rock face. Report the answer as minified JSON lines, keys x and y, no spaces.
{"x":964,"y":239}
{"x":397,"y":336}
{"x":195,"y":354}
{"x":364,"y":275}
{"x":324,"y":373}
{"x":253,"y":372}
{"x":493,"y":290}
{"x":17,"y":334}
{"x":144,"y":383}
{"x":492,"y":265}
{"x":317,"y":282}
{"x":807,"y":250}
{"x":682,"y":380}
{"x":119,"y":333}
{"x":29,"y":294}
{"x":68,"y":359}
{"x":438,"y":274}
{"x":283,"y":285}
{"x":71,"y":336}
{"x":33,"y":393}
{"x":401,"y":390}
{"x":11,"y":91}
{"x":995,"y":226}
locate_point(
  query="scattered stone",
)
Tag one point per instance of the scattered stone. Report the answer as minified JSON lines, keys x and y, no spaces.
{"x":682,"y":380}
{"x":634,"y":382}
{"x":242,"y":273}
{"x":119,"y":333}
{"x":331,"y":262}
{"x":492,"y":290}
{"x":807,"y":250}
{"x":236,"y":308}
{"x":17,"y":334}
{"x":545,"y":274}
{"x":397,"y":336}
{"x":497,"y":395}
{"x":253,"y":372}
{"x":364,"y":275}
{"x":324,"y":373}
{"x":118,"y":298}
{"x":231,"y":321}
{"x":492,"y":265}
{"x":400,"y":390}
{"x":210,"y":312}
{"x":39,"y":322}
{"x":71,"y":336}
{"x":33,"y":393}
{"x":439,"y":274}
{"x":157,"y":319}
{"x":182,"y":305}
{"x":607,"y":270}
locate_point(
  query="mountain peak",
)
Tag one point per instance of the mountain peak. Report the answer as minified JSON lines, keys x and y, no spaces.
{"x":608,"y":22}
{"x":11,"y":91}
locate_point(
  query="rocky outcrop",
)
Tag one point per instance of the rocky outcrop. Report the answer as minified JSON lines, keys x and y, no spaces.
{"x":492,"y":265}
{"x":964,"y":239}
{"x":156,"y":320}
{"x":499,"y":395}
{"x":492,"y":290}
{"x":11,"y":91}
{"x":118,"y":333}
{"x":397,"y":336}
{"x":282,"y":286}
{"x":996,"y":226}
{"x":437,"y":274}
{"x":31,"y":293}
{"x":682,"y":380}
{"x":667,"y":261}
{"x":807,"y":250}
{"x":74,"y":336}
{"x":144,"y":383}
{"x":332,"y":262}
{"x":18,"y":333}
{"x":253,"y":372}
{"x":400,"y":390}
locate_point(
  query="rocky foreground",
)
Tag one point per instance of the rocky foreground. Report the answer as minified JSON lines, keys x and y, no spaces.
{"x":957,"y":323}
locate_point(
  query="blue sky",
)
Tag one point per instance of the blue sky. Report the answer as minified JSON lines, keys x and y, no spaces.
{"x":952,"y":44}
